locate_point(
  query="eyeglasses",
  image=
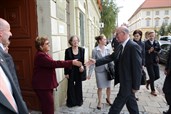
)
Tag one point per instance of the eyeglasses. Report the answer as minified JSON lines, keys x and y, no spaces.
{"x":75,"y":41}
{"x":46,"y":43}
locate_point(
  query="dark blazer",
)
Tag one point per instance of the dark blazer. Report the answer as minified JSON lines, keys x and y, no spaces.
{"x":167,"y":82}
{"x":142,"y":45}
{"x":5,"y":107}
{"x":9,"y":60}
{"x":44,"y":75}
{"x":130,"y":65}
{"x":152,"y":57}
{"x":69,"y":56}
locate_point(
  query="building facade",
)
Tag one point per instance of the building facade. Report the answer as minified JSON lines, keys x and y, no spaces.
{"x":151,"y":15}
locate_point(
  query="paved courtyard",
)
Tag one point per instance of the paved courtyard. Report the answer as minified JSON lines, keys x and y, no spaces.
{"x":147,"y":103}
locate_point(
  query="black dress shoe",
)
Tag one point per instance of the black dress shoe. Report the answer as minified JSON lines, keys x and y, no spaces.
{"x":137,"y":99}
{"x":80,"y":104}
{"x":166,"y":112}
{"x":108,"y":102}
{"x":99,"y":108}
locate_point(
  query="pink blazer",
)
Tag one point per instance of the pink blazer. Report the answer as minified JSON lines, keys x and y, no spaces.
{"x":44,"y":76}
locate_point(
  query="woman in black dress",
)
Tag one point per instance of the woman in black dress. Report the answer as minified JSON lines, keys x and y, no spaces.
{"x":74,"y":92}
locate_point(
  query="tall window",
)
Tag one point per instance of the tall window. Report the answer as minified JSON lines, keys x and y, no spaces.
{"x":148,"y":13}
{"x":82,"y":28}
{"x":157,"y":22}
{"x":166,"y":12}
{"x":148,"y":22}
{"x":157,"y":12}
{"x":166,"y":21}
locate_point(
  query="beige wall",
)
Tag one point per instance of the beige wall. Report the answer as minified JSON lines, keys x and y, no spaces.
{"x":52,"y":18}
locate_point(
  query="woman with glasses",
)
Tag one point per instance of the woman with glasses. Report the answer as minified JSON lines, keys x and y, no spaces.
{"x":74,"y":92}
{"x":44,"y":75}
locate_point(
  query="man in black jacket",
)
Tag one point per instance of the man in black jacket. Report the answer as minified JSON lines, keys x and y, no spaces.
{"x":167,"y":83}
{"x":10,"y":86}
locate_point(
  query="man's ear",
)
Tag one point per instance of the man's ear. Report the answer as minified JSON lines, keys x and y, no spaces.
{"x":0,"y":34}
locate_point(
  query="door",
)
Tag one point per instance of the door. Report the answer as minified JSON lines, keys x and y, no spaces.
{"x":21,"y":14}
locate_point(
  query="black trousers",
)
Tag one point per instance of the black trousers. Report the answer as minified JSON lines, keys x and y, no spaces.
{"x":167,"y":91}
{"x":153,"y":72}
{"x":125,"y":96}
{"x":74,"y":92}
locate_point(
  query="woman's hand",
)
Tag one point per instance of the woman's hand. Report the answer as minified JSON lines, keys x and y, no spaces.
{"x":88,"y":77}
{"x":81,"y":69}
{"x":67,"y":76}
{"x":76,"y":62}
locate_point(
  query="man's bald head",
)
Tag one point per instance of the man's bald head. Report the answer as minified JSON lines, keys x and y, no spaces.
{"x":122,"y":33}
{"x":3,"y":24}
{"x":5,"y":32}
{"x":123,"y":29}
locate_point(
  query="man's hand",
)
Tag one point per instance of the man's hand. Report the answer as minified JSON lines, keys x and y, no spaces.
{"x":67,"y":76}
{"x":88,"y":77}
{"x":134,"y":91}
{"x":76,"y":63}
{"x":90,"y":62}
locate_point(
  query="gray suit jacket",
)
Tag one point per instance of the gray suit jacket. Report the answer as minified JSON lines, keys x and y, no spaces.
{"x":5,"y":107}
{"x":96,"y":54}
{"x":130,"y":66}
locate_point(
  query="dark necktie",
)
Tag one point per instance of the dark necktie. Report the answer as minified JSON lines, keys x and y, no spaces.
{"x":120,"y":51}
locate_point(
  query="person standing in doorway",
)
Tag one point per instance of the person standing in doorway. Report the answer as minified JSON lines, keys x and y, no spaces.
{"x":11,"y":101}
{"x":44,"y":76}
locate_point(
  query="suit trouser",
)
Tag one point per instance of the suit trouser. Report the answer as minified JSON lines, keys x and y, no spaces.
{"x":123,"y":99}
{"x":167,"y":91}
{"x":153,"y":72}
{"x":46,"y":100}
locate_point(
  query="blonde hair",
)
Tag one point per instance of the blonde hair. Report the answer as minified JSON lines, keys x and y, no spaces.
{"x":40,"y":42}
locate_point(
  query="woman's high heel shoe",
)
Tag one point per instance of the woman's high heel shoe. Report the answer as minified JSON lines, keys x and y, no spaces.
{"x":108,"y":102}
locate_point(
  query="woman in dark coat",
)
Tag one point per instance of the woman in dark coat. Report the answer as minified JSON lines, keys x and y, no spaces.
{"x":44,"y":75}
{"x":74,"y":92}
{"x":138,"y":39}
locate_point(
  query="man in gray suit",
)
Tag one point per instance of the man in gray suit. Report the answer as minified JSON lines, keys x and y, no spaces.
{"x":10,"y":81}
{"x":128,"y":56}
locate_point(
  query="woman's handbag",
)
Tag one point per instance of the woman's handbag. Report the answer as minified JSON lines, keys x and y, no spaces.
{"x":84,"y":74}
{"x":110,"y":71}
{"x":143,"y":78}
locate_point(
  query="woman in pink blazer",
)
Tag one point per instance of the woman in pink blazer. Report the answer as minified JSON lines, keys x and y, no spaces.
{"x":44,"y":76}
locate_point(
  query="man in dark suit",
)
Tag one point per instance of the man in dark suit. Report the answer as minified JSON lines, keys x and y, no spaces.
{"x":167,"y":83}
{"x":128,"y":56}
{"x":8,"y":74}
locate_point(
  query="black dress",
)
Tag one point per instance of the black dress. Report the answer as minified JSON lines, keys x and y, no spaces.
{"x":74,"y":91}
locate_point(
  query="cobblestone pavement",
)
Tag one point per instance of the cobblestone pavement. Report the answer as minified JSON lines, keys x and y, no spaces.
{"x":147,"y":103}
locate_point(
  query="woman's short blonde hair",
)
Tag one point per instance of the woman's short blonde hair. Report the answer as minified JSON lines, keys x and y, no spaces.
{"x":40,"y":42}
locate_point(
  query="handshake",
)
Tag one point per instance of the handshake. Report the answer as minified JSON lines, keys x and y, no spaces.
{"x":87,"y":64}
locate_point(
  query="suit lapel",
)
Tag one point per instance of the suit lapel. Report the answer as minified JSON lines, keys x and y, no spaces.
{"x":5,"y":102}
{"x":3,"y":99}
